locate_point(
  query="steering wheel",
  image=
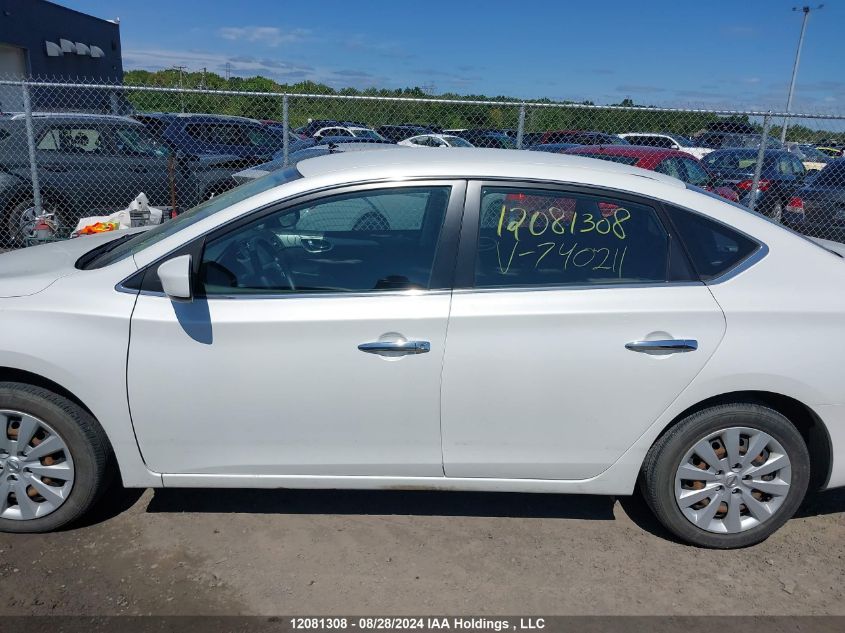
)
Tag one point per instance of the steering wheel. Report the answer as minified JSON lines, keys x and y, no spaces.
{"x":276,"y":271}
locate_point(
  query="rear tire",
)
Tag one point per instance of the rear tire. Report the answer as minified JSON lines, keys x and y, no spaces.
{"x":701,"y":485}
{"x":76,"y":432}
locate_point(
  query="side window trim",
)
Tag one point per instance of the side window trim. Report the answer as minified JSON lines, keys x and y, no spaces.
{"x":680,"y":269}
{"x":443,"y":267}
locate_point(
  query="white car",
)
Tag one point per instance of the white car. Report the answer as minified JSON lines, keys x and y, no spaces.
{"x":518,"y":322}
{"x":668,"y":141}
{"x":435,"y":140}
{"x":348,"y":131}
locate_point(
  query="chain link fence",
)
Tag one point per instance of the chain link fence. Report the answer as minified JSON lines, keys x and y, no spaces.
{"x":74,"y":150}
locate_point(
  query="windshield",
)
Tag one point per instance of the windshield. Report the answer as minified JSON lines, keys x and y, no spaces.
{"x":359,"y":132}
{"x":457,"y":141}
{"x":208,"y":208}
{"x":812,"y":154}
{"x":683,"y":141}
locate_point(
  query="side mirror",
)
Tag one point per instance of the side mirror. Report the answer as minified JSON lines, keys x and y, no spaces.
{"x":175,"y":276}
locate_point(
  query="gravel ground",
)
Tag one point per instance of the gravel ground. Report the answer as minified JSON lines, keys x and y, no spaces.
{"x":322,"y":552}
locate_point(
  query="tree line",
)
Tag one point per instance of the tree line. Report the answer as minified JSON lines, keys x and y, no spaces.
{"x":424,"y":109}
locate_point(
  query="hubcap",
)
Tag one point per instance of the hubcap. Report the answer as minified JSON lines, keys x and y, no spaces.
{"x":732,"y":480}
{"x":36,"y":468}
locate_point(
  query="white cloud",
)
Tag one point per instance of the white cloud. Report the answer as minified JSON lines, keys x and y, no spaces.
{"x":269,"y":35}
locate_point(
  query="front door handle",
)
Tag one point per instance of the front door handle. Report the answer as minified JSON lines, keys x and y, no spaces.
{"x":396,"y":348}
{"x":670,"y":346}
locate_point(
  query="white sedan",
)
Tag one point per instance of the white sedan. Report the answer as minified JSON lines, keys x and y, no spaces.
{"x":436,"y":140}
{"x":470,"y":320}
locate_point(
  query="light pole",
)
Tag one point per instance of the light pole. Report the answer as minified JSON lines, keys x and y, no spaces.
{"x":806,"y":11}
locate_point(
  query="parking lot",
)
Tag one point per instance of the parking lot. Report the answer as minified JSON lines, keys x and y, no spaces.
{"x":272,"y":552}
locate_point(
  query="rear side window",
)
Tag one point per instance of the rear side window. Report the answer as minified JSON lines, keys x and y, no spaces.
{"x":713,"y":247}
{"x":538,"y":237}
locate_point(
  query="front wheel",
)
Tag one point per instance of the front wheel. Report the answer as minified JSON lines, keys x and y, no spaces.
{"x":727,"y":476}
{"x":53,"y":459}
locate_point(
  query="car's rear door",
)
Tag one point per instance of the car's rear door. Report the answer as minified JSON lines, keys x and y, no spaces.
{"x":575,"y":324}
{"x":317,"y":346}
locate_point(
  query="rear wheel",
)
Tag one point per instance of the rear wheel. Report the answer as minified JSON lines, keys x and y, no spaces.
{"x":727,"y":476}
{"x":20,"y":221}
{"x":53,"y":458}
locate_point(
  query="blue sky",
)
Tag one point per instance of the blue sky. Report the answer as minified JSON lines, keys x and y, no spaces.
{"x":709,"y":53}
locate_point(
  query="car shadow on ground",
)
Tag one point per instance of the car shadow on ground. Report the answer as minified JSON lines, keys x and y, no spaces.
{"x":383,"y":502}
{"x":407,"y":502}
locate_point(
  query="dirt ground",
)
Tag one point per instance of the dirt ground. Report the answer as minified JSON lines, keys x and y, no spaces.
{"x":330,"y":552}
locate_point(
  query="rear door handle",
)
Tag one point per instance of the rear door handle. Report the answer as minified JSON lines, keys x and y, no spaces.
{"x":396,"y":348}
{"x":671,"y":346}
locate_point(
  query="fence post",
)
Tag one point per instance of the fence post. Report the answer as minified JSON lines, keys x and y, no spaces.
{"x":761,"y":154}
{"x":285,"y":131}
{"x":520,"y":127}
{"x":30,"y":141}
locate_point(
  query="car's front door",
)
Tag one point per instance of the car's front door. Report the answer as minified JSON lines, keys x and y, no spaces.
{"x":317,"y":348}
{"x":554,"y":364}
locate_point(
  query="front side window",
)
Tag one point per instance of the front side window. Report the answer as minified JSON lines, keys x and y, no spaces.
{"x":363,"y":241}
{"x":538,"y":237}
{"x":136,"y":141}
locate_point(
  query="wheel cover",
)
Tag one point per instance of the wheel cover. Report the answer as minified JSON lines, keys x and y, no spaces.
{"x":36,"y":468}
{"x":733,"y":480}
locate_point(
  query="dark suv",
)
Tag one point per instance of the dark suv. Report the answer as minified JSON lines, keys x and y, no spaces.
{"x":210,"y":148}
{"x":87,"y":165}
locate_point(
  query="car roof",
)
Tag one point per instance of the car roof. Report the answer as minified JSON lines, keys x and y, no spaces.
{"x":194,"y":117}
{"x":70,"y":116}
{"x":473,"y":163}
{"x":635,"y":151}
{"x":749,"y":151}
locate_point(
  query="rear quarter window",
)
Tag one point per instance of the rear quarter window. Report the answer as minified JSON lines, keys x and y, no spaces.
{"x":714,"y":248}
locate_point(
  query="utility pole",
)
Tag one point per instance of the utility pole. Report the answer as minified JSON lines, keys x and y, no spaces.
{"x":181,"y":69}
{"x":806,"y":11}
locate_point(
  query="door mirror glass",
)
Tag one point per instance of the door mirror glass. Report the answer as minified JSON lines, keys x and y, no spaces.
{"x":175,"y":276}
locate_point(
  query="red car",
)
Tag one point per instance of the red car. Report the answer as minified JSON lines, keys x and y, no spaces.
{"x":666,"y":161}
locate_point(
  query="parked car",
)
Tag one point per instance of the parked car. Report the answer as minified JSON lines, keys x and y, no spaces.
{"x":485,"y":138}
{"x":833,"y":152}
{"x":812,"y":158}
{"x":554,"y":148}
{"x":725,"y":140}
{"x":349,"y":131}
{"x":823,"y":211}
{"x":671,"y":162}
{"x":436,"y":140}
{"x":211,"y":147}
{"x":578,"y":137}
{"x":314,"y":125}
{"x":396,"y":133}
{"x":335,"y":140}
{"x":666,"y":141}
{"x":87,"y":165}
{"x":781,"y":176}
{"x":323,"y":149}
{"x":689,"y":375}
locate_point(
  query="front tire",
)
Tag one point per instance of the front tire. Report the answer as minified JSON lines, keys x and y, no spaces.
{"x":53,"y":459}
{"x":728,"y":476}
